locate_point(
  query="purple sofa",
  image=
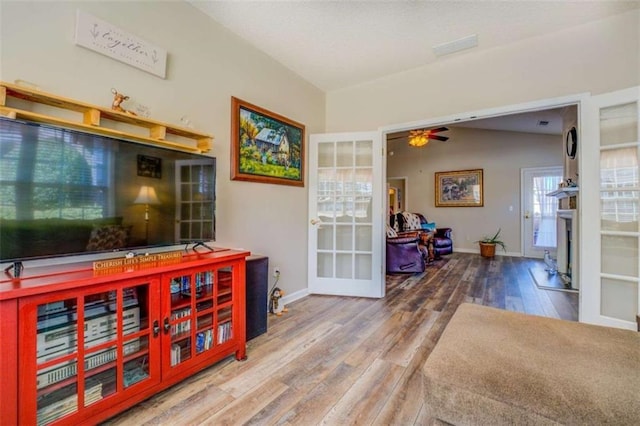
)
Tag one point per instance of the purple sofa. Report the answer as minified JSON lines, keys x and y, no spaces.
{"x":405,"y":255}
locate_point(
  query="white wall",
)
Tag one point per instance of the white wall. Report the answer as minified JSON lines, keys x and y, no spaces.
{"x":500,"y":154}
{"x":597,"y":57}
{"x":206,"y":66}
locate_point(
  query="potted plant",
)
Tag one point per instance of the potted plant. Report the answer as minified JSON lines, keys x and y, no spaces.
{"x":488,"y":245}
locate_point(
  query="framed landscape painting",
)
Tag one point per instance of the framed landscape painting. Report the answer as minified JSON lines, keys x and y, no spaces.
{"x":265,"y":147}
{"x":462,"y":188}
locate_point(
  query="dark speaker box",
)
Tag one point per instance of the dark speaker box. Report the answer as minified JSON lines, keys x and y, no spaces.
{"x":256,"y":288}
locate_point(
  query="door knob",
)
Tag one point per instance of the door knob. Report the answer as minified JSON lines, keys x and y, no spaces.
{"x":527,"y":215}
{"x":315,"y":221}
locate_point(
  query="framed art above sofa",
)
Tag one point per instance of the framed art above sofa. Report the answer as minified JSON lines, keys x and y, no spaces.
{"x":462,"y":188}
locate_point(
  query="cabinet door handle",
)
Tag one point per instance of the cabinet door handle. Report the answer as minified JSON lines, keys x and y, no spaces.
{"x":167,"y":326}
{"x":156,"y":328}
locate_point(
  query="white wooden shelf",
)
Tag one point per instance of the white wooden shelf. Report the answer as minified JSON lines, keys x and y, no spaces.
{"x":93,"y":116}
{"x":570,"y":191}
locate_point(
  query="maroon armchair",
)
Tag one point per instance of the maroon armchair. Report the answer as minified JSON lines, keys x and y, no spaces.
{"x":442,"y":242}
{"x":405,"y":255}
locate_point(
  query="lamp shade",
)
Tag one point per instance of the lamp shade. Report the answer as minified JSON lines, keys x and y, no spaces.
{"x":147,"y":195}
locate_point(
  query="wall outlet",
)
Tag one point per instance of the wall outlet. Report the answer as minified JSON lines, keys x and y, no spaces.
{"x":276,"y":272}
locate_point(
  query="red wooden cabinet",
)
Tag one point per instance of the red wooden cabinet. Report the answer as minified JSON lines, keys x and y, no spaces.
{"x":90,"y":346}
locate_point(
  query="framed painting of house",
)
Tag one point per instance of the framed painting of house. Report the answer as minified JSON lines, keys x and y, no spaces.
{"x":265,"y":147}
{"x":462,"y":188}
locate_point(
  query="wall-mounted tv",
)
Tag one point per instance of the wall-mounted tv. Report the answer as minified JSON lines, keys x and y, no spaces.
{"x":65,"y":192}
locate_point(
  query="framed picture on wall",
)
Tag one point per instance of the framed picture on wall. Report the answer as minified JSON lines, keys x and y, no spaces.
{"x":265,"y":147}
{"x":461,"y":188}
{"x":149,"y":166}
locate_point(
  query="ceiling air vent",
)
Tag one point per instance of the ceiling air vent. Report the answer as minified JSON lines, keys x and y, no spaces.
{"x":456,"y":45}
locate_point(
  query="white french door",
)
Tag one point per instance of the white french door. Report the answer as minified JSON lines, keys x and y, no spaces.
{"x":195,"y":201}
{"x":345,"y":214}
{"x":539,"y":210}
{"x":611,"y":213}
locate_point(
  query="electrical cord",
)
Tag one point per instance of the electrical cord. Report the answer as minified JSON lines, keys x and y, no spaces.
{"x":270,"y":294}
{"x":274,"y":285}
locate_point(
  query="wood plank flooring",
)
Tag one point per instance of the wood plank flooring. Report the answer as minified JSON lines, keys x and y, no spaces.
{"x":343,"y":361}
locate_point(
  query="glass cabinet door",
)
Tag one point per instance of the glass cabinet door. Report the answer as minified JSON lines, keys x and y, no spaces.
{"x":57,"y":360}
{"x":224,"y":311}
{"x":204,"y":311}
{"x":200,"y":314}
{"x":114,"y":329}
{"x":178,"y":325}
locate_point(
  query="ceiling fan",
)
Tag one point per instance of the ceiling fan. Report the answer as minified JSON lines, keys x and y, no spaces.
{"x":421,"y":137}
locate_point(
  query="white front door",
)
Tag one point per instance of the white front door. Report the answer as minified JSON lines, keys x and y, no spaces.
{"x":345,"y":214}
{"x":610,"y":213}
{"x":539,"y":210}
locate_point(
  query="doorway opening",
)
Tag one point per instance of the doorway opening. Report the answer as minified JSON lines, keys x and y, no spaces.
{"x":516,"y":138}
{"x":539,"y":218}
{"x":512,"y":119}
{"x":397,"y":190}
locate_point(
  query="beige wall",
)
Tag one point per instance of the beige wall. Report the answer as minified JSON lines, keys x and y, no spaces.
{"x":500,"y":154}
{"x":597,"y":58}
{"x":206,"y":66}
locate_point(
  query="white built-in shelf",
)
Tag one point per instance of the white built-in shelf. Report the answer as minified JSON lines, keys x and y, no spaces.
{"x":570,"y":191}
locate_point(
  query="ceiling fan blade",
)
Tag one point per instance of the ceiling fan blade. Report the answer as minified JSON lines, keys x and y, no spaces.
{"x":439,"y":138}
{"x":439,"y":129}
{"x":393,"y":138}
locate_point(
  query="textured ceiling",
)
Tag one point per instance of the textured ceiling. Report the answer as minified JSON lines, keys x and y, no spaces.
{"x":337,"y":44}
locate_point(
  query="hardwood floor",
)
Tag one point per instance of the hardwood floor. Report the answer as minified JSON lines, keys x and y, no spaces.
{"x":337,"y":361}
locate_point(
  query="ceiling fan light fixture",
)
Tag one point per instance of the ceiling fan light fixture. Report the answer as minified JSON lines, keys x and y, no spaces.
{"x":418,"y":137}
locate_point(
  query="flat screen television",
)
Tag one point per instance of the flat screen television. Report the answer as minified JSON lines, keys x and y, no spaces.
{"x":65,"y":192}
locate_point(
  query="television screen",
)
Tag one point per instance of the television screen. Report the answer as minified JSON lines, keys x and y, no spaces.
{"x":65,"y":192}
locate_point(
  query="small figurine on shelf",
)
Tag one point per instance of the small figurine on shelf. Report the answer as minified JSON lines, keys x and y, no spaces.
{"x":275,"y":306}
{"x":118,"y":98}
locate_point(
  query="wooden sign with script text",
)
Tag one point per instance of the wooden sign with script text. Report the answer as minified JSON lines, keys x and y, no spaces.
{"x":109,"y":40}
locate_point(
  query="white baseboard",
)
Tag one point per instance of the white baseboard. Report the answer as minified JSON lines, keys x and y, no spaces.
{"x":498,"y":252}
{"x":290,"y":298}
{"x":465,"y":250}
